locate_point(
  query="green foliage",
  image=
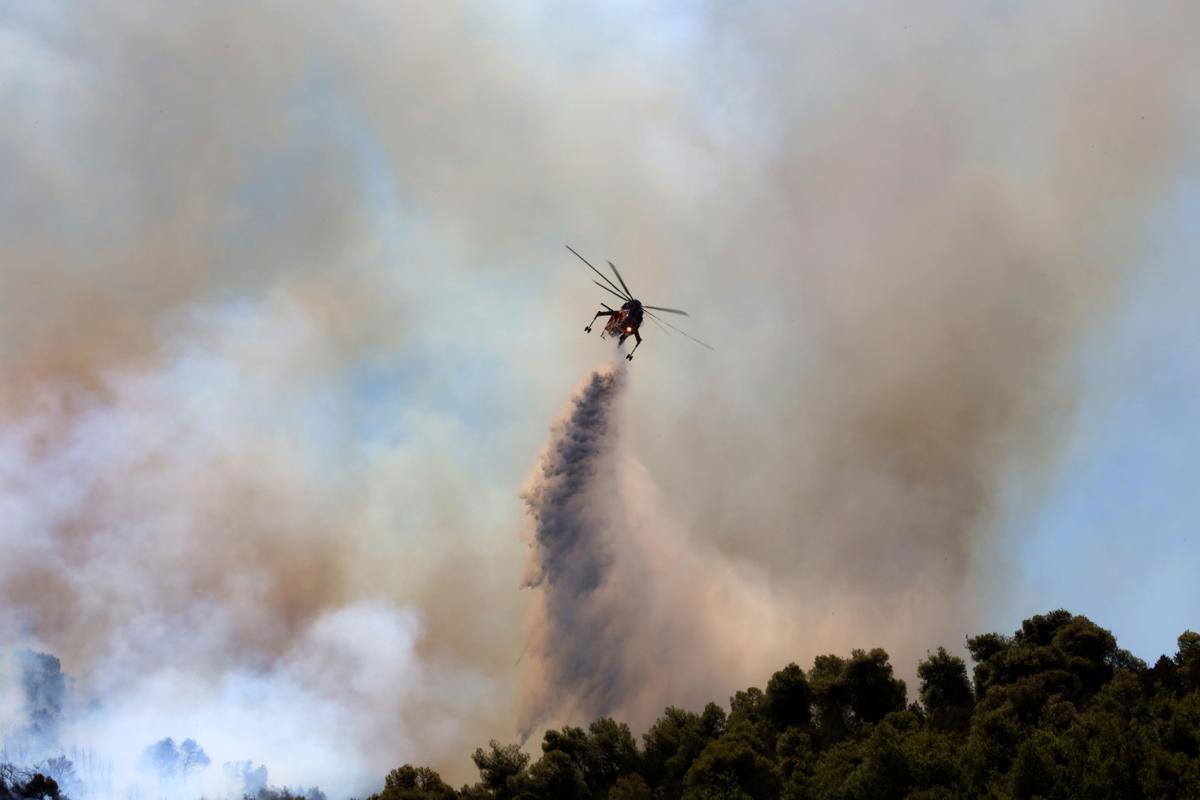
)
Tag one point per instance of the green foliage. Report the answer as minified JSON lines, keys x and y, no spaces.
{"x":555,"y":776}
{"x":630,"y":787}
{"x":1057,"y":711}
{"x":945,"y":691}
{"x":674,"y":742}
{"x":414,"y":783}
{"x":789,"y":698}
{"x":848,"y":693}
{"x":600,"y":755}
{"x":733,"y":767}
{"x":499,"y":767}
{"x":1187,"y":660}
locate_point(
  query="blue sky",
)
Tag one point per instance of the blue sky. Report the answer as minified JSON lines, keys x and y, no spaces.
{"x":1116,"y":537}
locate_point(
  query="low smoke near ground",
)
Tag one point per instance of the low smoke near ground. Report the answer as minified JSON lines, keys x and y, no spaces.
{"x":285,"y":313}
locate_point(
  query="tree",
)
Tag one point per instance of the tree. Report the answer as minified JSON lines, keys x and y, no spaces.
{"x":62,"y":770}
{"x":497,"y":765}
{"x":1057,"y":710}
{"x":555,"y":776}
{"x":831,"y":698}
{"x":850,"y":692}
{"x":162,"y":758}
{"x":789,"y":698}
{"x":414,"y":783}
{"x":630,"y":787}
{"x":612,"y":753}
{"x":44,"y":687}
{"x":874,"y":692}
{"x":252,"y":778}
{"x":673,"y":743}
{"x":1188,"y":661}
{"x":192,"y":758}
{"x":40,"y":787}
{"x":169,"y":761}
{"x":733,"y":767}
{"x":945,"y":691}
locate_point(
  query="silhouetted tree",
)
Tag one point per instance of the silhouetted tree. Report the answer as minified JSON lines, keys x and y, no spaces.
{"x":168,"y":760}
{"x":39,"y":787}
{"x":44,"y":687}
{"x":1057,"y":711}
{"x":630,"y":787}
{"x":555,"y":776}
{"x":1187,"y":659}
{"x":414,"y":783}
{"x":192,"y":758}
{"x":789,"y":698}
{"x":498,"y":765}
{"x":945,"y":691}
{"x":733,"y":766}
{"x":673,"y":743}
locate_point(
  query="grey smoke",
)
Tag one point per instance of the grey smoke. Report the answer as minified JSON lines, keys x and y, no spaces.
{"x":575,"y":511}
{"x":631,"y":613}
{"x":284,"y":310}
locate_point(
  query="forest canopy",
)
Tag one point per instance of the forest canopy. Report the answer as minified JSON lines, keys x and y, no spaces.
{"x":1055,"y":710}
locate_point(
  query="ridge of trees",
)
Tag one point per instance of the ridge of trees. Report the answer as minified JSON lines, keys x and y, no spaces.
{"x":1056,"y":710}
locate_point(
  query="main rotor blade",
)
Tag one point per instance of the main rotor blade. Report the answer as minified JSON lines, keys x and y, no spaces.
{"x":661,"y":327}
{"x":598,"y":272}
{"x":668,"y":310}
{"x":622,"y":280}
{"x":610,"y":291}
{"x":685,"y":333}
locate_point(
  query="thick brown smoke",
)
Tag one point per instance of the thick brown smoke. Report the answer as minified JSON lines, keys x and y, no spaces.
{"x":285,"y":309}
{"x":940,"y":223}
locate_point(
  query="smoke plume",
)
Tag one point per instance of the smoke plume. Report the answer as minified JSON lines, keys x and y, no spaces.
{"x":624,"y":597}
{"x":577,"y":519}
{"x":285,"y":308}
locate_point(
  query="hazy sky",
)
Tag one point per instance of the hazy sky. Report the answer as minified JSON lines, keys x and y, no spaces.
{"x":286,"y":317}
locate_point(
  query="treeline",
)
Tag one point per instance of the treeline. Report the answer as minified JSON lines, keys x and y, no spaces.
{"x":26,"y":784}
{"x":1056,"y":710}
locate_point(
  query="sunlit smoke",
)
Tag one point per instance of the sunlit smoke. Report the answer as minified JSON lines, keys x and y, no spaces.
{"x":285,"y":309}
{"x":621,"y":589}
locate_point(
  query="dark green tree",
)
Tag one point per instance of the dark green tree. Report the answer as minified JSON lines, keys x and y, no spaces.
{"x":630,"y":787}
{"x":555,"y":776}
{"x":945,"y":690}
{"x":733,"y":767}
{"x":498,"y":765}
{"x":673,"y":742}
{"x":788,"y":698}
{"x":612,"y":753}
{"x":848,"y":693}
{"x":1188,"y":661}
{"x":1057,"y":711}
{"x":414,"y":783}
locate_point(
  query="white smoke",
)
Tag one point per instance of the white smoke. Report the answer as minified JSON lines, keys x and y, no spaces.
{"x":179,"y":535}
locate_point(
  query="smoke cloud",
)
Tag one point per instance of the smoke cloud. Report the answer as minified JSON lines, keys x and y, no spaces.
{"x":581,"y":634}
{"x":624,"y":597}
{"x":286,"y":308}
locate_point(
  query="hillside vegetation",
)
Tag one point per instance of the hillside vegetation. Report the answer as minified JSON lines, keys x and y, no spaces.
{"x":1056,"y":710}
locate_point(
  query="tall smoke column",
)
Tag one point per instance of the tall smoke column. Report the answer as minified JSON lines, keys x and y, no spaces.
{"x":575,"y":636}
{"x":622,"y":590}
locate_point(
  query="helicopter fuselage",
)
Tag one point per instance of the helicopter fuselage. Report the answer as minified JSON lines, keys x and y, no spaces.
{"x":624,"y":321}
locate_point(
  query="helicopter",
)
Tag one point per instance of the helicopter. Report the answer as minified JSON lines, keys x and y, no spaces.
{"x":627,"y":320}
